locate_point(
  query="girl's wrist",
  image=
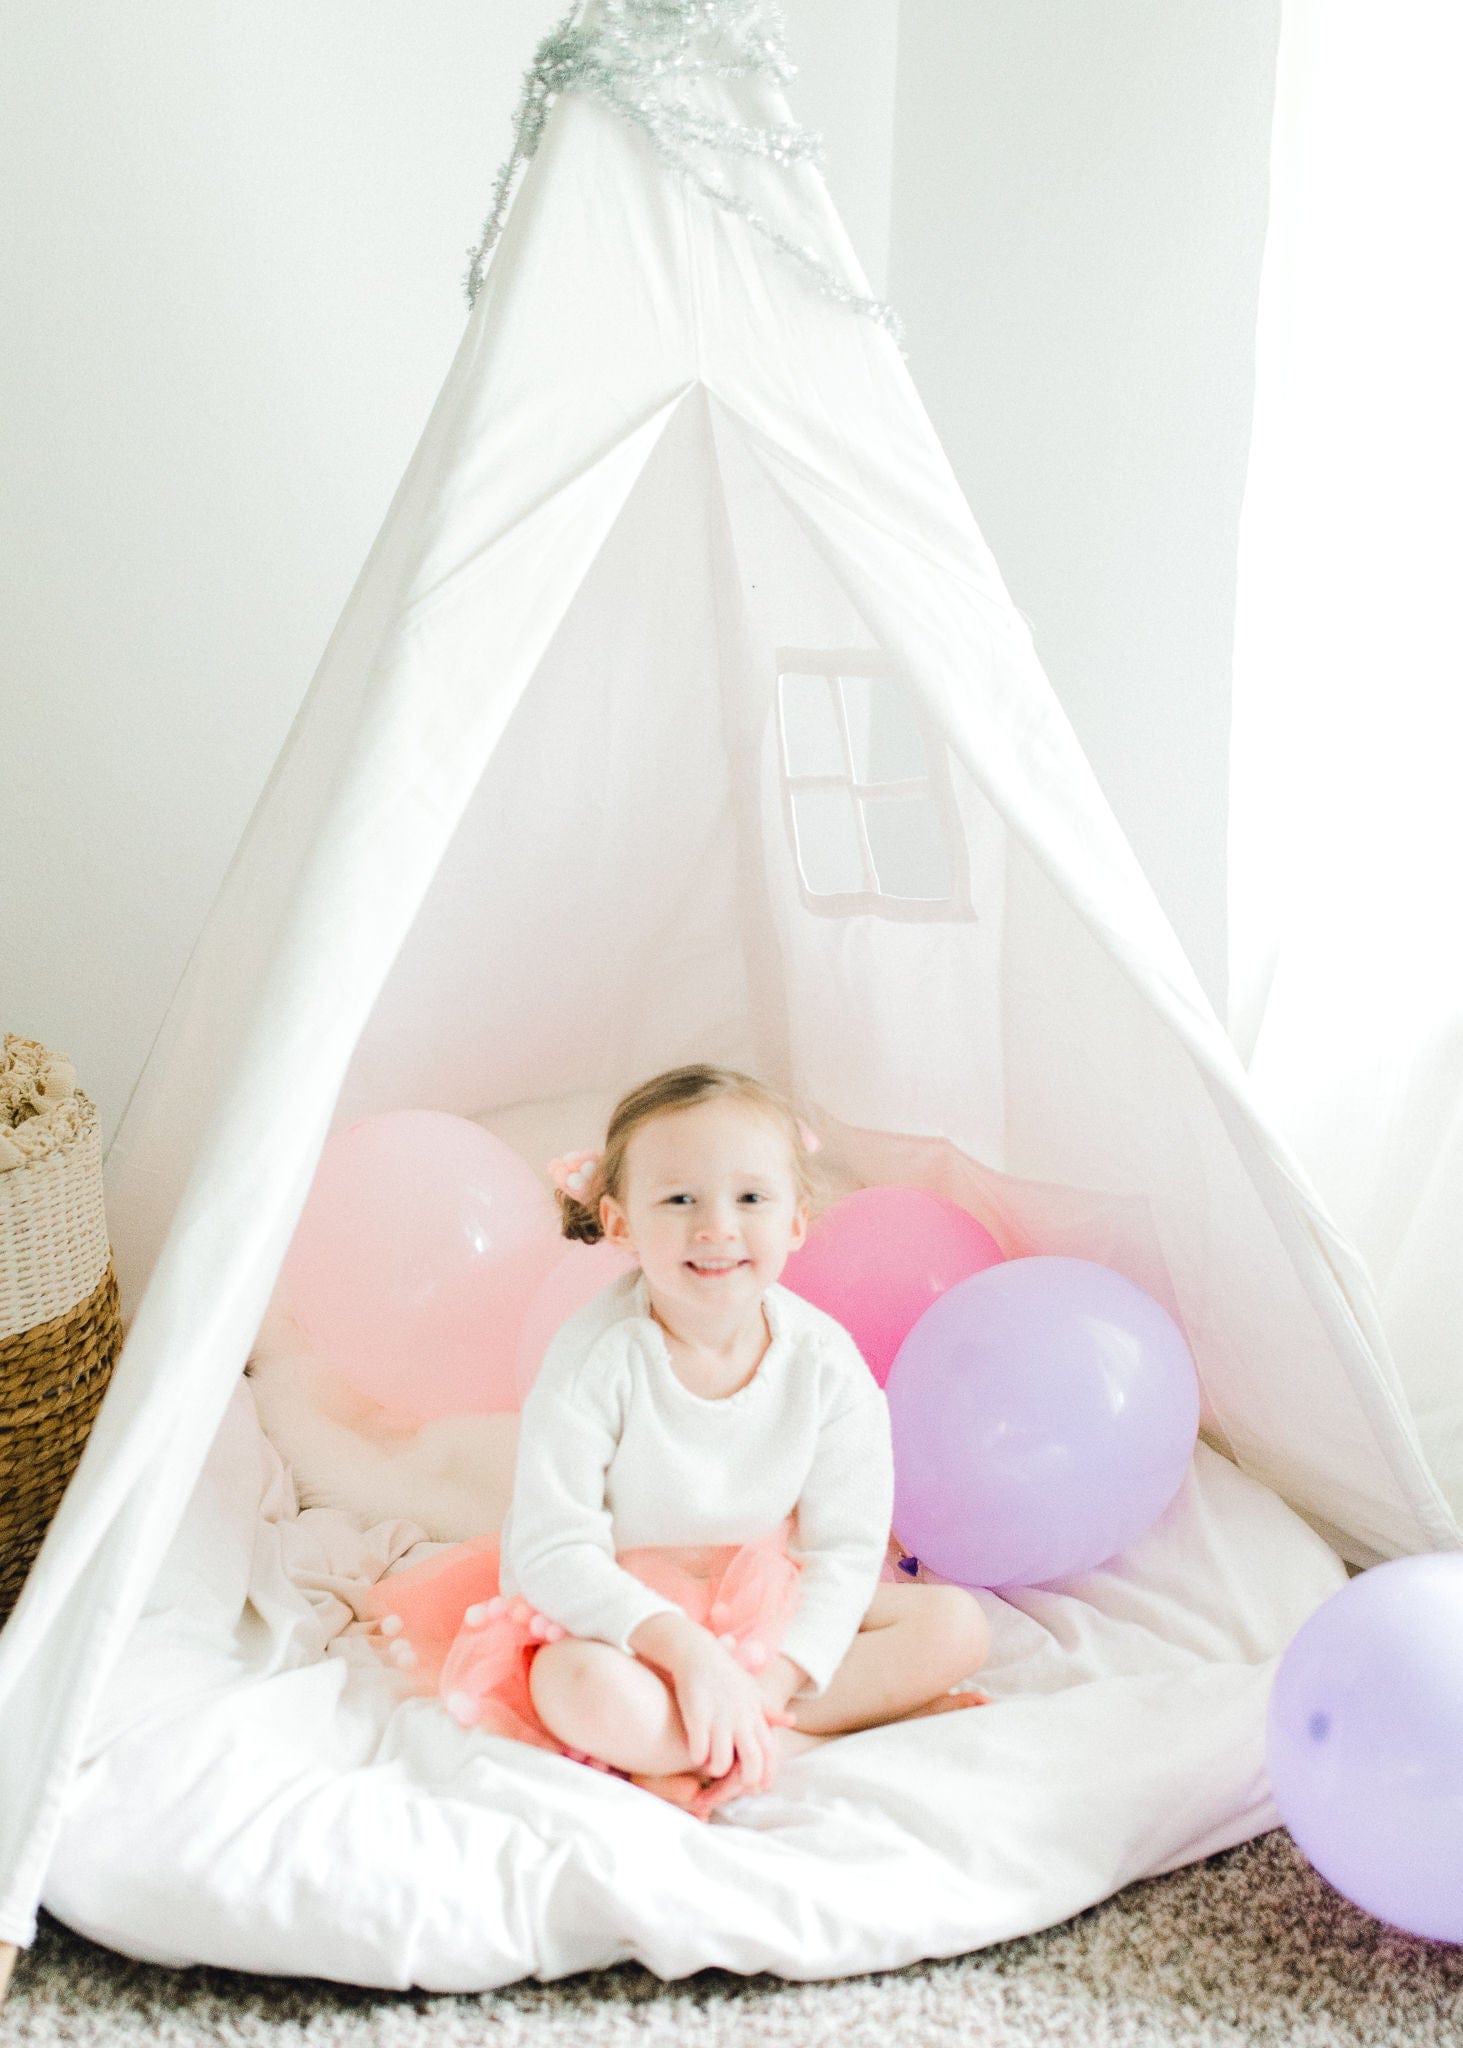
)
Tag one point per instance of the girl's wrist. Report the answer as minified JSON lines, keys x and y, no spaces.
{"x":666,"y":1640}
{"x":781,"y":1678}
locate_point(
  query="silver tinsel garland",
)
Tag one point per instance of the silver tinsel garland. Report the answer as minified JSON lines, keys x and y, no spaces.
{"x":636,"y":60}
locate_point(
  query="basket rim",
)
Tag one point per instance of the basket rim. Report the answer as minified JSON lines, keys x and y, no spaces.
{"x":42,"y":1111}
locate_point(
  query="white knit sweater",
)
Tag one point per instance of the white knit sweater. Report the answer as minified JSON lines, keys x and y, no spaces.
{"x":616,"y":1452}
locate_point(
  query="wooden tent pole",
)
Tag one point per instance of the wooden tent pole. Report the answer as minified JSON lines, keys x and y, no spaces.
{"x":7,"y":1964}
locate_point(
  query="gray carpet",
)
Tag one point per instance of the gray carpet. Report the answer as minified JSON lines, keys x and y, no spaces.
{"x":1250,"y":1946}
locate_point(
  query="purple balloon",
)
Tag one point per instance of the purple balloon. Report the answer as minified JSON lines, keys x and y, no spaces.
{"x":1043,"y":1414}
{"x":1365,"y":1743}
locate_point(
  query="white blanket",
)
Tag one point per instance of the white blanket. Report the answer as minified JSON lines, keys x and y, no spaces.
{"x":256,"y":1796}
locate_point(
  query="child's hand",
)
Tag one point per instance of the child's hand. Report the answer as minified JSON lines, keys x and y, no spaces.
{"x":723,"y":1712}
{"x":738,"y":1780}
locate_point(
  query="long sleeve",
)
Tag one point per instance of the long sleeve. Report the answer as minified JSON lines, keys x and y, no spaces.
{"x":558,"y":1543}
{"x":843,"y":1519}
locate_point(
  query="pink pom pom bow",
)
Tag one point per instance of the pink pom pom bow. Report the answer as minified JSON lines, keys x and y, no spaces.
{"x":574,"y":1173}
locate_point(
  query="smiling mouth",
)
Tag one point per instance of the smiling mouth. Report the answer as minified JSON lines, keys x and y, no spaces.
{"x":712,"y":1272}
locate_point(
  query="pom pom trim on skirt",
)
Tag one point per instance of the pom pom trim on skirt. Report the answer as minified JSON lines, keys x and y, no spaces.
{"x":446,"y":1629}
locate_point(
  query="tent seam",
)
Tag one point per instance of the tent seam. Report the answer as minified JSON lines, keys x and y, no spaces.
{"x":424,"y":607}
{"x":900,"y":536}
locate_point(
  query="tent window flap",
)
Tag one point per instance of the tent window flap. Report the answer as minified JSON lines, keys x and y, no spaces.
{"x":872,"y":822}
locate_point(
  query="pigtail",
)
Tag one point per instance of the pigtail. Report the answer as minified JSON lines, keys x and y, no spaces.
{"x":578,"y":1186}
{"x":577,"y":1219}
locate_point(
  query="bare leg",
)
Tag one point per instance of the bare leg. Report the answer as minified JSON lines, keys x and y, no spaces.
{"x":915,"y":1642}
{"x":911,"y":1638}
{"x":595,"y":1698}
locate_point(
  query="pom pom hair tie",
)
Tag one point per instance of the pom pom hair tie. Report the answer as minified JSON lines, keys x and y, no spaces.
{"x":573,"y":1174}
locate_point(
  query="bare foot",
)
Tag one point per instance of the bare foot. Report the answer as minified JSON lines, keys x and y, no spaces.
{"x":698,"y":1793}
{"x":945,"y":1703}
{"x":681,"y":1788}
{"x":694,"y":1794}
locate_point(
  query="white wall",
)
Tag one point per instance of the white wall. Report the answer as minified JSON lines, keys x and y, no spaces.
{"x":231,"y":272}
{"x":1079,"y":211}
{"x":847,"y":54}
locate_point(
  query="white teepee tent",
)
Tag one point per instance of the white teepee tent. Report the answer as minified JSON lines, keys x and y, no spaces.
{"x":679,"y":712}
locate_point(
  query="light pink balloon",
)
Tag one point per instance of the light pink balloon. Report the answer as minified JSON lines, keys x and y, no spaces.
{"x":583,"y":1271}
{"x":877,"y":1258}
{"x":420,"y":1245}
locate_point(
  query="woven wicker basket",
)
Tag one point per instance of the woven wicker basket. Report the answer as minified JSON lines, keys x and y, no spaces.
{"x":60,"y":1327}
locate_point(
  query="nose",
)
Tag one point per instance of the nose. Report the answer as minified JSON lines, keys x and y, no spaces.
{"x":716,"y":1222}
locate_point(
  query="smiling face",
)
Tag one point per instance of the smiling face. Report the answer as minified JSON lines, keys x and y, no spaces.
{"x":710,"y":1208}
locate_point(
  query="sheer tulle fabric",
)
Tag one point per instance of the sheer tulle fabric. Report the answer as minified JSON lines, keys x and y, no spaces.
{"x":445,"y":1628}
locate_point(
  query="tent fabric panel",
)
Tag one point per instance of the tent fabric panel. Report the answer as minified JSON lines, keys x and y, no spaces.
{"x":584,"y":927}
{"x":233,"y":1140}
{"x":858,"y":992}
{"x":1133,"y":1096}
{"x":397,"y":749}
{"x":976,"y":672}
{"x":829,"y":389}
{"x":890,"y":1023}
{"x":979,"y":677}
{"x":584,"y":327}
{"x":969,"y":656}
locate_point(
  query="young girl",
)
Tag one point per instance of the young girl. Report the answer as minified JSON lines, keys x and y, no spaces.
{"x":687,"y":1586}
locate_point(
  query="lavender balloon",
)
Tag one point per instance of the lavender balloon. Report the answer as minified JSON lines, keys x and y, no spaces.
{"x":1365,"y":1743}
{"x":1043,"y":1414}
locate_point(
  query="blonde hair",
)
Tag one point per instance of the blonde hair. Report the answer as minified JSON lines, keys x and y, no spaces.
{"x":680,"y":1088}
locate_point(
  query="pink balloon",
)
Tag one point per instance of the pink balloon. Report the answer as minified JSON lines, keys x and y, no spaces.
{"x":584,"y":1271}
{"x":418,"y":1250}
{"x":877,"y":1258}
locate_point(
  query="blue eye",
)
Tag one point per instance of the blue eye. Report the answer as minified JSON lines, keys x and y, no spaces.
{"x":677,"y":1198}
{"x":750,"y":1197}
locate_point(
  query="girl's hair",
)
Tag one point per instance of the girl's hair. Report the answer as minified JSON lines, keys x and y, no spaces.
{"x":680,"y":1088}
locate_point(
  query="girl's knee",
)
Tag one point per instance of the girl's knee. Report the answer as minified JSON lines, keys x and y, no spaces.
{"x":582,"y":1684}
{"x":567,"y":1672}
{"x":957,"y":1621}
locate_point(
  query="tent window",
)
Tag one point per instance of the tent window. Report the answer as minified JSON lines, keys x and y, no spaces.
{"x":813,"y":743}
{"x":830,"y":858}
{"x":866,"y":791}
{"x":885,"y":743}
{"x":908,"y":848}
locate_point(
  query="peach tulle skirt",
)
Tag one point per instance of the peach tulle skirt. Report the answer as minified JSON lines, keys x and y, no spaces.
{"x":445,"y":1628}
